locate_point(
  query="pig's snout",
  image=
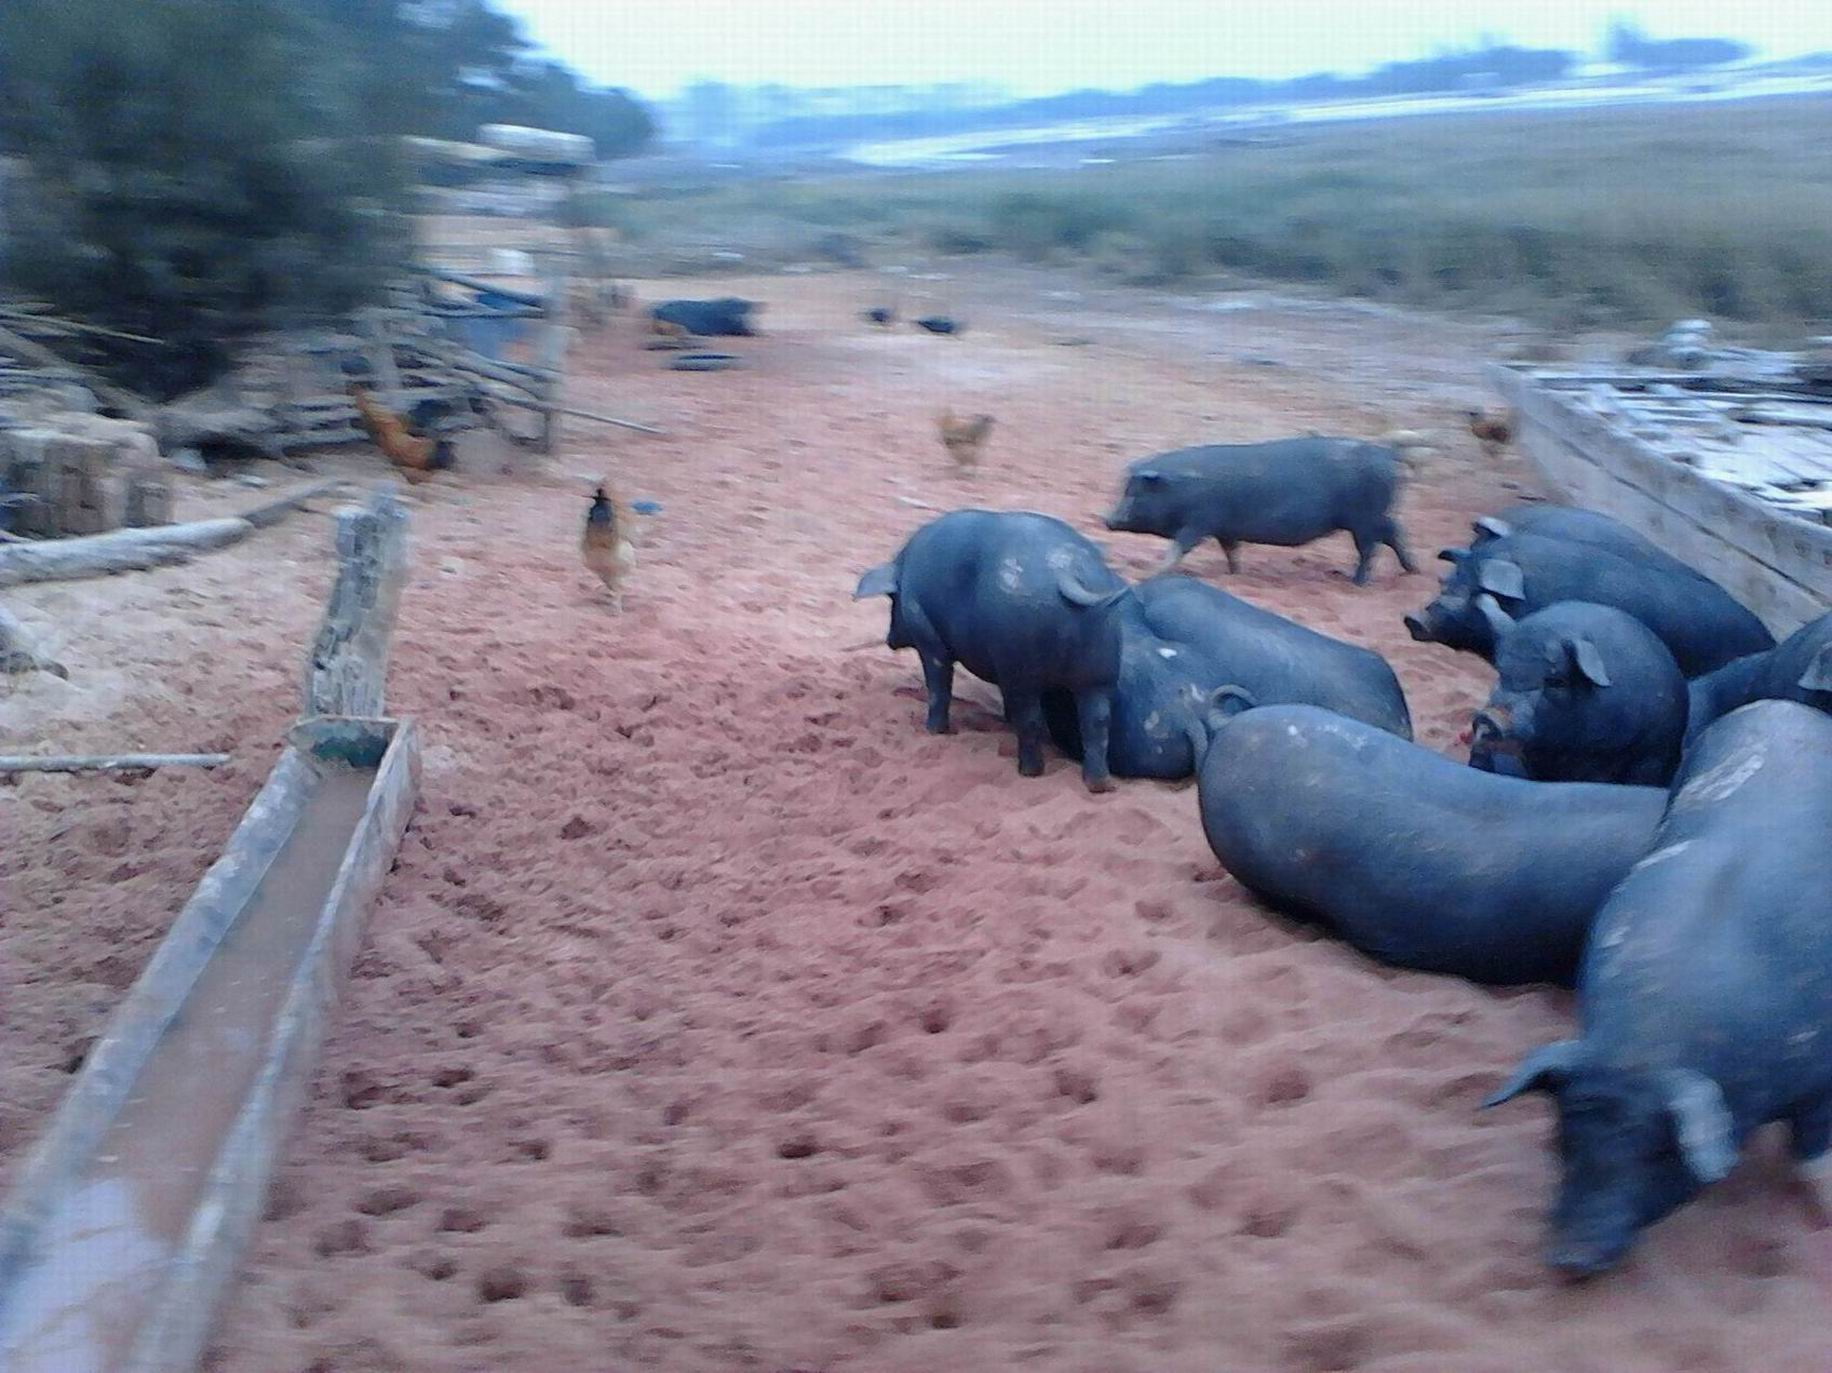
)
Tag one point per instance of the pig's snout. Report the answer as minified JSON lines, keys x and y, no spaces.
{"x":1418,"y":628}
{"x":1113,"y":519}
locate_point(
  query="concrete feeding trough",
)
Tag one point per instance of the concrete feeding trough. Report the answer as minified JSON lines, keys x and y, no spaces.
{"x":126,"y":1222}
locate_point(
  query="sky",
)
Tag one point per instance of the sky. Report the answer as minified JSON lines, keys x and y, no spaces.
{"x":1036,"y":47}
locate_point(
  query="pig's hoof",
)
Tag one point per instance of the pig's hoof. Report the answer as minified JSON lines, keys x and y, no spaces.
{"x":1030,"y":767}
{"x":1100,"y":786}
{"x":938,"y":726}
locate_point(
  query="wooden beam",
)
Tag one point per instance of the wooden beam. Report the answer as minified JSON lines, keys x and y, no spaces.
{"x":473,"y":284}
{"x":110,"y":762}
{"x":132,"y":550}
{"x":123,"y":550}
{"x":21,"y":347}
{"x":599,"y":419}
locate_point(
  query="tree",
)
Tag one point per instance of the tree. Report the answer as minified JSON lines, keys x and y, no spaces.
{"x":192,"y":176}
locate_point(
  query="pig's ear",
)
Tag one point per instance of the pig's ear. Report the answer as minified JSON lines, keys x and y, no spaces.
{"x":1150,"y":476}
{"x":1220,"y":706}
{"x":1491,"y":527}
{"x":1818,"y":676}
{"x":1229,"y":701}
{"x":1452,"y":555}
{"x":880,"y":581}
{"x":1500,"y":577}
{"x":1542,"y":1070}
{"x":1499,"y":621}
{"x":1701,"y":1121}
{"x":1588,"y":662}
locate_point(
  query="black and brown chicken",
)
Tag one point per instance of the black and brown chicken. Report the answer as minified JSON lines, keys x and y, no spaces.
{"x":606,"y":548}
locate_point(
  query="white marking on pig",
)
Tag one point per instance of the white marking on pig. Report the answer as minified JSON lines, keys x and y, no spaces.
{"x":1661,"y":855}
{"x":1722,"y":781}
{"x":1011,"y":574}
{"x":1167,"y":653}
{"x":1060,"y":558}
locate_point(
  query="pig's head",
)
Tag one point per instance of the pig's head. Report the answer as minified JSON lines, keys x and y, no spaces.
{"x":882,"y":581}
{"x":1160,"y":685}
{"x":1547,"y":681}
{"x":1147,"y":505}
{"x":1634,"y":1144}
{"x":1454,"y":619}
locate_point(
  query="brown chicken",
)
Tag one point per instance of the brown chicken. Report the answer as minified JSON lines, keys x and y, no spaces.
{"x":606,"y":547}
{"x":1494,"y":432}
{"x":963,"y":438}
{"x":417,"y":456}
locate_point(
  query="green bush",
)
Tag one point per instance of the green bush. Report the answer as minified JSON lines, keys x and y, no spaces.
{"x":194,"y":176}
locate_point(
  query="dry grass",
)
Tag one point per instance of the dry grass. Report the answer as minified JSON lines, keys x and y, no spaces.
{"x":1608,"y":216}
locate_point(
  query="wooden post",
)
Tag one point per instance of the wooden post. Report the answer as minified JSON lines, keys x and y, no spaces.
{"x":553,"y":358}
{"x":348,"y":663}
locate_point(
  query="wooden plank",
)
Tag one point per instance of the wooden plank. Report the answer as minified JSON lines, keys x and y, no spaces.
{"x":1781,"y":566}
{"x":110,"y":762}
{"x":125,"y":401}
{"x":475,"y":284}
{"x":1776,"y":600}
{"x":123,"y":550}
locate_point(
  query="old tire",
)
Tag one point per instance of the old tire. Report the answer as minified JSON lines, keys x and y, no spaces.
{"x":705,"y":362}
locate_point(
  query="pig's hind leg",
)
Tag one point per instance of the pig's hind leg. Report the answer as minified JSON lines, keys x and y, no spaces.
{"x":1094,"y":711}
{"x":1025,"y":711}
{"x":1232,"y":552}
{"x":938,"y":677}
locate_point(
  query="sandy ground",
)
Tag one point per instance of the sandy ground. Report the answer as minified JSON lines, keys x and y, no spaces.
{"x":716,"y":1018}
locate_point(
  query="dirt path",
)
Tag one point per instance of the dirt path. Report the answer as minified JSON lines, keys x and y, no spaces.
{"x":716,"y":1018}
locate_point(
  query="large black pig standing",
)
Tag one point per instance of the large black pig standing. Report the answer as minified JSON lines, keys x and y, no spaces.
{"x":1022,"y":601}
{"x":1705,"y":995}
{"x":1288,"y":492}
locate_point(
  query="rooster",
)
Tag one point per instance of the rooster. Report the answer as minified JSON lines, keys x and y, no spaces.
{"x":1494,"y":432}
{"x":963,"y":438}
{"x":606,"y":548}
{"x":417,"y":456}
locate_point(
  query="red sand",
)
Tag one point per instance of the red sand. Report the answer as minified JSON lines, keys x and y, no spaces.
{"x":716,"y":1018}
